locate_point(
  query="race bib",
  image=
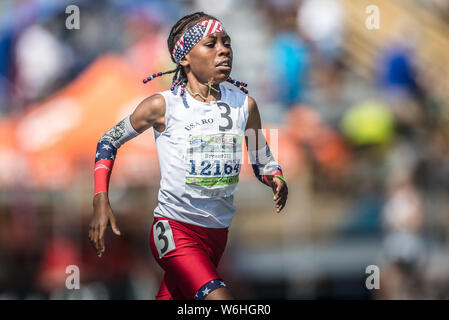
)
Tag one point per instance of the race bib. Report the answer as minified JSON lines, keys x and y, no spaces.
{"x":213,"y":164}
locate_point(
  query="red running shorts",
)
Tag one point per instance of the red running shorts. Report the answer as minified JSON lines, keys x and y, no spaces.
{"x":189,"y":255}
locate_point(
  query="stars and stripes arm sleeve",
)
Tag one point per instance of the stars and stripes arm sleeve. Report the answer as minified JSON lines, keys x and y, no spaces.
{"x":107,"y":147}
{"x":263,"y":164}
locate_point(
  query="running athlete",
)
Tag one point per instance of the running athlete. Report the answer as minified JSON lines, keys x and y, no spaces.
{"x":199,"y":126}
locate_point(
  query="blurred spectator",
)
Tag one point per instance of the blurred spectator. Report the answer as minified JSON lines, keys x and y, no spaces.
{"x":368,"y":123}
{"x":321,"y":21}
{"x":397,"y":70}
{"x":289,"y":63}
{"x":404,"y":253}
{"x":289,"y":58}
{"x":41,"y":61}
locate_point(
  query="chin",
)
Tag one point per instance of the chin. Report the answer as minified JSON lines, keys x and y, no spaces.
{"x":222,"y":76}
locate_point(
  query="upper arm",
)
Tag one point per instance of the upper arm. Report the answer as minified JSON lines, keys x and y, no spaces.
{"x":254,"y":121}
{"x":149,"y":113}
{"x":253,"y":126}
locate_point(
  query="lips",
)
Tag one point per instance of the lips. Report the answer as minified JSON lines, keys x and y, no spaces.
{"x":224,"y":68}
{"x":224,"y":65}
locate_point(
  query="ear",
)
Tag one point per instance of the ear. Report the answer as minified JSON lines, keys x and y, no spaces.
{"x":184,"y":62}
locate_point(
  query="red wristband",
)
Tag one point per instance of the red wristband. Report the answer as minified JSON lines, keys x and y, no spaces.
{"x":277,"y":172}
{"x":102,"y":174}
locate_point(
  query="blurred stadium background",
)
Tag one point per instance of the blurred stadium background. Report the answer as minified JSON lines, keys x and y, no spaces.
{"x":363,"y":139}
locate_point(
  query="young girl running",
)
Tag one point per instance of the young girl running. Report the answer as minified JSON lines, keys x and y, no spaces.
{"x":199,"y":126}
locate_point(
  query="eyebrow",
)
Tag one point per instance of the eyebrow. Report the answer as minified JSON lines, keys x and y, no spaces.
{"x":225,"y":37}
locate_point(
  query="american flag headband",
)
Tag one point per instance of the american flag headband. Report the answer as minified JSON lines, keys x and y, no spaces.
{"x":188,"y":40}
{"x":193,"y":35}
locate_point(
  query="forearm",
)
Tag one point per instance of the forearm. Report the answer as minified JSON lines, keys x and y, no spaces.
{"x":106,"y":152}
{"x":100,"y":198}
{"x":264,"y":164}
{"x":261,"y":159}
{"x":104,"y":162}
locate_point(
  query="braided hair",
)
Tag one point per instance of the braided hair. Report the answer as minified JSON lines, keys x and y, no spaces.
{"x":180,"y":77}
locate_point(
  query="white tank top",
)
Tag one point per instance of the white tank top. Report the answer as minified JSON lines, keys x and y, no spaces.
{"x":200,"y":154}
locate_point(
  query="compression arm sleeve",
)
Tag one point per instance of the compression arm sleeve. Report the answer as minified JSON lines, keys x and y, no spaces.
{"x":264,"y":164}
{"x":107,"y":150}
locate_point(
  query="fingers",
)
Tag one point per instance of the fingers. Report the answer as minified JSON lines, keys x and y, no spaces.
{"x":281,"y":204}
{"x":91,"y":235}
{"x":114,"y":226}
{"x":96,"y":237}
{"x":280,"y":196}
{"x":101,"y":247}
{"x":283,"y":200}
{"x":97,"y":229}
{"x":100,"y":241}
{"x":277,"y":192}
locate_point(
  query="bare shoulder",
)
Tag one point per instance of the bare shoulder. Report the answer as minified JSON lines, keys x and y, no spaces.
{"x":251,"y":103}
{"x":254,"y":121}
{"x":251,"y":100}
{"x":152,"y":106}
{"x":149,"y":113}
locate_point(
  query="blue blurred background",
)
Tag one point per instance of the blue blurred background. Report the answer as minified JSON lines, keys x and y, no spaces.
{"x":362,"y":116}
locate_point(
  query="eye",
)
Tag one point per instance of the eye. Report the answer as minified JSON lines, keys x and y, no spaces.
{"x":227,"y":41}
{"x":210,"y":44}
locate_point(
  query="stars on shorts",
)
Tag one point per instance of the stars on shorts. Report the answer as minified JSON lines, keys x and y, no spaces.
{"x":205,"y":290}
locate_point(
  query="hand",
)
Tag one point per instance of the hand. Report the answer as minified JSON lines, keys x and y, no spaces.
{"x":102,"y":217}
{"x":280,"y":191}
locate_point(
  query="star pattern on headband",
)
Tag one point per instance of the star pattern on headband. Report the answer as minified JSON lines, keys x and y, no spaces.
{"x":192,"y":36}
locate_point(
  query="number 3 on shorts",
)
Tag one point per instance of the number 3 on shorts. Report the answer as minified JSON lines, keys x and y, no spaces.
{"x":163,"y":237}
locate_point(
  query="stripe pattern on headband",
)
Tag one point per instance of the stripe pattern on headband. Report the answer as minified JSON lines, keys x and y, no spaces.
{"x":193,"y":35}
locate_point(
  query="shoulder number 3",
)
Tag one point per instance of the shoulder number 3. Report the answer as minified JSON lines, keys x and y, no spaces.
{"x":163,"y":237}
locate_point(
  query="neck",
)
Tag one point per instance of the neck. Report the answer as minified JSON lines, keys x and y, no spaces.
{"x":203,"y":92}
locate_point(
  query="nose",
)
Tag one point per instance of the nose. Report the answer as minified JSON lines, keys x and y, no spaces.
{"x":224,"y":50}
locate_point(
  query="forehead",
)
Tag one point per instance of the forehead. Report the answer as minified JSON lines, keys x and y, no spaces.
{"x":217,"y":35}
